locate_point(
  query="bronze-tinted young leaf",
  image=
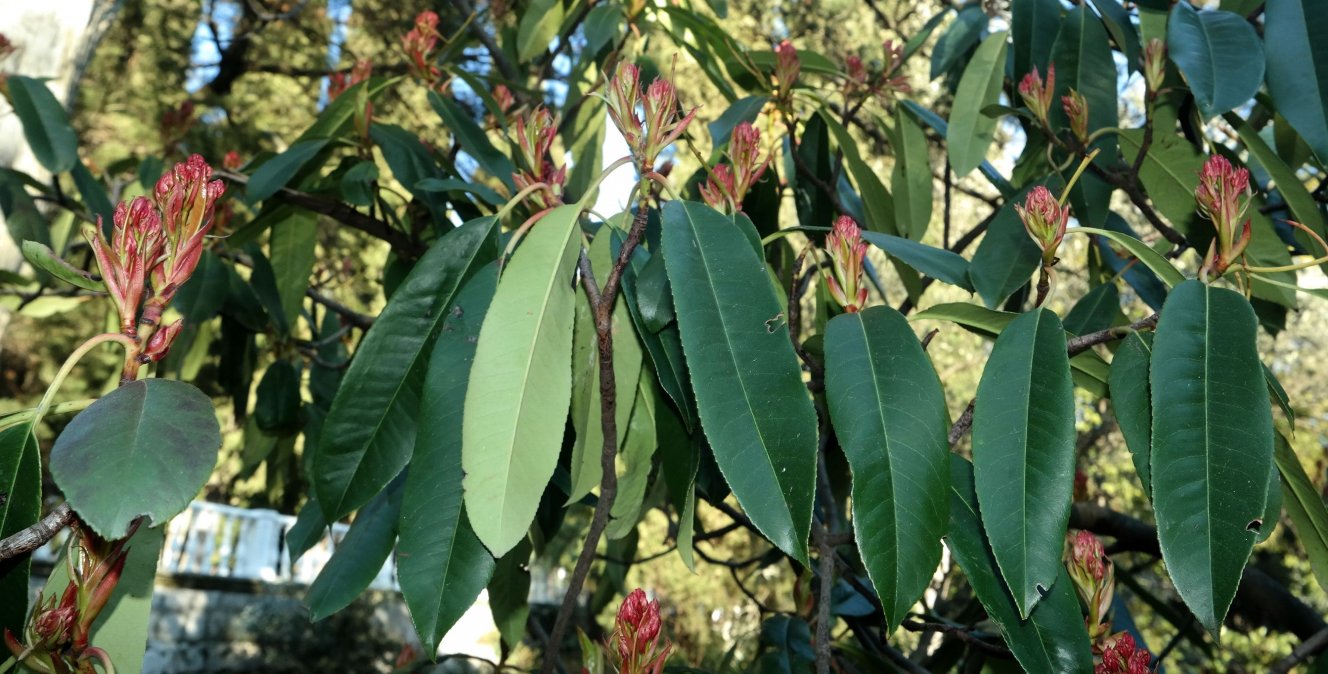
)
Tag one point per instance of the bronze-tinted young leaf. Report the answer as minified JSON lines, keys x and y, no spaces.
{"x":753,"y":404}
{"x":370,"y":431}
{"x":1212,"y":443}
{"x":890,"y":417}
{"x":155,"y":439}
{"x":1023,"y":453}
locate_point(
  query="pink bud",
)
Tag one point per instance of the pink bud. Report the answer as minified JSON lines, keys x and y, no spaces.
{"x":160,"y":342}
{"x":1155,"y":65}
{"x":1223,"y":196}
{"x":1037,"y":95}
{"x":787,"y":67}
{"x":847,"y":251}
{"x":1076,"y":108}
{"x":503,"y":97}
{"x":419,"y":43}
{"x":633,"y":608}
{"x":717,"y":191}
{"x":1045,"y":220}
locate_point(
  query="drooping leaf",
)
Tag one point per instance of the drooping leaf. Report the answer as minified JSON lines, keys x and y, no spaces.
{"x":1116,"y":18}
{"x":412,"y":163}
{"x":1051,"y":641}
{"x":1147,"y":256}
{"x":748,"y":383}
{"x":1272,"y":511}
{"x":1297,"y":53}
{"x":472,"y":138}
{"x":120,"y":440}
{"x":310,"y":527}
{"x":45,"y":123}
{"x":360,"y":555}
{"x":680,"y":459}
{"x":278,"y":171}
{"x":603,"y":24}
{"x":520,"y":383}
{"x":937,"y":263}
{"x":1132,"y":402}
{"x":876,"y":200}
{"x":441,"y":565}
{"x":890,"y":417}
{"x":971,"y":132}
{"x":20,"y":507}
{"x":1212,"y":443}
{"x":1219,"y":53}
{"x":42,"y":257}
{"x":911,"y":179}
{"x":22,"y":219}
{"x":1304,"y":505}
{"x":1299,"y":199}
{"x":1006,"y":259}
{"x":1023,"y":453}
{"x":357,"y":183}
{"x":370,"y":430}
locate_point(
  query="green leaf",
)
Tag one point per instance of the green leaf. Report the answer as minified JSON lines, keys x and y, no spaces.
{"x":742,"y":110}
{"x":957,"y":39}
{"x":411,"y":163}
{"x":472,"y":138}
{"x":1006,"y":259}
{"x":1084,"y":61}
{"x":1169,"y":173}
{"x":1304,"y":505}
{"x":971,"y":132}
{"x":941,"y":127}
{"x":1212,"y":443}
{"x":157,"y":439}
{"x":1033,"y":28}
{"x":509,"y":593}
{"x":876,"y":200}
{"x":937,"y":263}
{"x":890,"y":417}
{"x":787,"y":644}
{"x":308,"y":530}
{"x":1145,"y":253}
{"x":204,"y":294}
{"x":441,"y":564}
{"x":370,"y":430}
{"x":603,"y":24}
{"x":291,"y":248}
{"x":520,"y":383}
{"x":22,"y":219}
{"x":21,"y":487}
{"x":1297,"y":52}
{"x":984,"y":321}
{"x":357,"y":183}
{"x":538,"y":28}
{"x":1118,"y":23}
{"x":93,"y":193}
{"x":1051,"y":641}
{"x":278,"y":171}
{"x":359,"y":557}
{"x":1272,"y":507}
{"x":627,"y":357}
{"x":635,"y":462}
{"x":911,"y":179}
{"x":1097,"y":310}
{"x":42,"y":257}
{"x":1298,"y":198}
{"x":456,"y":185}
{"x":1131,"y":401}
{"x":45,"y":123}
{"x":759,"y":420}
{"x":680,"y":459}
{"x":277,"y":407}
{"x":1220,"y":55}
{"x":1023,"y":453}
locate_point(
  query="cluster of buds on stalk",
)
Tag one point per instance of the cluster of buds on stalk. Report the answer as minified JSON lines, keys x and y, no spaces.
{"x":636,"y":645}
{"x":158,"y":241}
{"x":1223,"y":195}
{"x":1045,"y":219}
{"x":844,"y":278}
{"x":340,"y":81}
{"x":727,"y":186}
{"x":1155,"y":66}
{"x":1094,"y":580}
{"x":1038,"y":95}
{"x":1076,"y":110}
{"x":419,"y":43}
{"x":1123,"y":656}
{"x":858,"y":81}
{"x":787,"y":69}
{"x":56,"y":637}
{"x":663,"y":122}
{"x":534,"y":134}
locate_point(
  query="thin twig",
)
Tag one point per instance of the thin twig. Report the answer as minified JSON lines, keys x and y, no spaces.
{"x":29,"y":539}
{"x":355,"y":318}
{"x":1307,"y":648}
{"x":965,"y":634}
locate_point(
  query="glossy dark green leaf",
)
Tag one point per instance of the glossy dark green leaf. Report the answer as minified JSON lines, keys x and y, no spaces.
{"x":93,"y":193}
{"x":1033,"y":28}
{"x":20,"y":507}
{"x":665,"y":346}
{"x":1169,"y":174}
{"x":472,"y":138}
{"x":971,"y":132}
{"x":1006,"y":259}
{"x":742,"y":110}
{"x":1146,"y":254}
{"x":357,"y":184}
{"x":937,"y":263}
{"x":1298,"y":199}
{"x":456,"y":185}
{"x":310,"y":527}
{"x":45,"y":123}
{"x":1097,"y":310}
{"x":1084,"y":62}
{"x":747,"y":379}
{"x":786,"y":644}
{"x":654,"y":298}
{"x":359,"y":556}
{"x":890,"y":417}
{"x":441,"y":564}
{"x":1116,"y":18}
{"x":635,"y":461}
{"x":1272,"y":512}
{"x":877,"y":202}
{"x":22,"y":219}
{"x":1304,"y":505}
{"x":1051,"y":641}
{"x":278,"y":404}
{"x":370,"y":430}
{"x":291,"y":250}
{"x":1219,"y":53}
{"x":122,"y":439}
{"x":680,"y":459}
{"x":1023,"y":453}
{"x":1279,"y":395}
{"x":941,"y":127}
{"x":411,"y":163}
{"x":1212,"y":443}
{"x":520,"y":383}
{"x":911,"y":179}
{"x":1132,"y":402}
{"x":42,"y":257}
{"x":263,"y":287}
{"x":204,"y":294}
{"x":958,"y":38}
{"x":278,"y":171}
{"x":1296,"y":46}
{"x":509,"y":593}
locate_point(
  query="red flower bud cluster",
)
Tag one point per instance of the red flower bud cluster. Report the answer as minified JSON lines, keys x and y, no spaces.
{"x":636,"y":639}
{"x":1045,"y":220}
{"x":1123,"y":656}
{"x":1037,"y":94}
{"x":847,"y":251}
{"x":727,"y":185}
{"x":340,"y":81}
{"x":859,"y":81}
{"x":1223,"y":196}
{"x":1094,"y":579}
{"x":662,"y":122}
{"x":419,"y":44}
{"x":535,"y":133}
{"x":787,"y":68}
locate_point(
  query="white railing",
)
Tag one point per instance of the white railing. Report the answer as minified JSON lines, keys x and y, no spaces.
{"x":221,"y":541}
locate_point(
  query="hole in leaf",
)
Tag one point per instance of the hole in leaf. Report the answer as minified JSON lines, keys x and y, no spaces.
{"x":1254,"y":525}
